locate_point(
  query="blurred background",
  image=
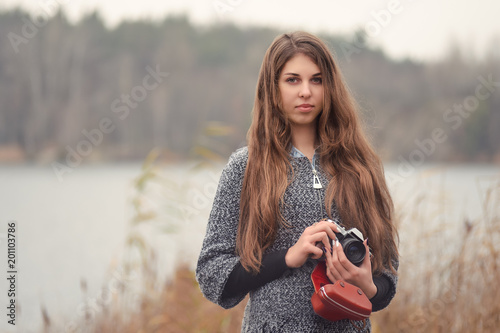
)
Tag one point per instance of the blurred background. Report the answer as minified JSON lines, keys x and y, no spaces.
{"x":116,"y":119}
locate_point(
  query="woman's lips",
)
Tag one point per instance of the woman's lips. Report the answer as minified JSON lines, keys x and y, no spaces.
{"x":305,"y":107}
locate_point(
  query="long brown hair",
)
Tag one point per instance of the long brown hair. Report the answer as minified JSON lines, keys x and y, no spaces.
{"x":357,"y":185}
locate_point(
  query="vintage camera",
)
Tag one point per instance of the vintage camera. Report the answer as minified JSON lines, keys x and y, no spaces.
{"x":352,"y":243}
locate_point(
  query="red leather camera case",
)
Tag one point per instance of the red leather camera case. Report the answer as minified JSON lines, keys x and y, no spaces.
{"x":340,"y":300}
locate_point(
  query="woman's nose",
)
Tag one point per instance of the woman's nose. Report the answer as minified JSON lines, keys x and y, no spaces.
{"x":305,"y":91}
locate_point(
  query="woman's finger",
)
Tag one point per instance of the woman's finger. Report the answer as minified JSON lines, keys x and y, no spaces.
{"x":335,"y":274}
{"x":326,"y":242}
{"x":346,"y":264}
{"x":315,"y":252}
{"x":329,"y":228}
{"x":367,"y":262}
{"x":320,"y":237}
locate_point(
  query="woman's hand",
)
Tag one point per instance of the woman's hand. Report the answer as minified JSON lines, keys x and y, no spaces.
{"x":319,"y":232}
{"x":338,"y":267}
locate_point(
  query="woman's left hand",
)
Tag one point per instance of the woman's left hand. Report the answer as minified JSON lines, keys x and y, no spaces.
{"x":338,"y":267}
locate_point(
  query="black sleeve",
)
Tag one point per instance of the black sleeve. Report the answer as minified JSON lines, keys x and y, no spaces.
{"x":384,"y":293}
{"x":241,"y":281}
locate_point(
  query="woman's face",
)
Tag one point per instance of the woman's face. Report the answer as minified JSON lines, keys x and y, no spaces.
{"x":301,"y":90}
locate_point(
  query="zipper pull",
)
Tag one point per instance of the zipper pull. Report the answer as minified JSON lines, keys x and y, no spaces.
{"x":316,"y":182}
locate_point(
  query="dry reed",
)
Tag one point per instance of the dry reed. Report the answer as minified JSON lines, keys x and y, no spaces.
{"x":449,"y":280}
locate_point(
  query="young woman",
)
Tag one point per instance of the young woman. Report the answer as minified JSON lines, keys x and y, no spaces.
{"x":307,"y":160}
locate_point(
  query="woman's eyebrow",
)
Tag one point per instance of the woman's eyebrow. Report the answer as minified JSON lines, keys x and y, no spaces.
{"x":295,"y":74}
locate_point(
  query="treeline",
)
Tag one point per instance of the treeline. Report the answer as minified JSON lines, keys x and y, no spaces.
{"x":113,"y":94}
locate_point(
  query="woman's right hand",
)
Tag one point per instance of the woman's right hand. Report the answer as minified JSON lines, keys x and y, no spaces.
{"x":319,"y":232}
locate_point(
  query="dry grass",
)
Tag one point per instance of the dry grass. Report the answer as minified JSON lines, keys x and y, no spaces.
{"x":178,"y":308}
{"x":450,"y":281}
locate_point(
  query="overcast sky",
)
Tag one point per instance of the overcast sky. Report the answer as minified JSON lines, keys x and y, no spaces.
{"x":419,"y":29}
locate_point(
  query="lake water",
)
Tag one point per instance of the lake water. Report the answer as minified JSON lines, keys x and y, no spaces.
{"x":75,"y":230}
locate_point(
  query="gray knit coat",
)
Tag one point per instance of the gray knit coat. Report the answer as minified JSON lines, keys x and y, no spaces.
{"x":282,"y":305}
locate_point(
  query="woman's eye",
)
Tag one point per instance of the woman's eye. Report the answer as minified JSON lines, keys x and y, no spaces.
{"x":292,"y":80}
{"x":317,"y":80}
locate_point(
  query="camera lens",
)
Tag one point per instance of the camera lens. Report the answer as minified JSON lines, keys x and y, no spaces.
{"x":354,"y":250}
